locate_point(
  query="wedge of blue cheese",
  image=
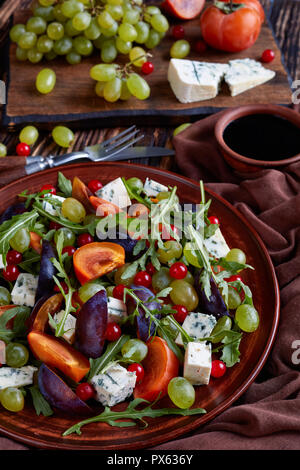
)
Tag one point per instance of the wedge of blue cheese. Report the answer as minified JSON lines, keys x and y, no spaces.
{"x":197,"y":363}
{"x":116,"y":310}
{"x":48,"y":207}
{"x":16,"y":377}
{"x":24,"y":290}
{"x":195,"y":81}
{"x":114,"y":385}
{"x":116,"y":193}
{"x":244,"y":74}
{"x":153,"y":188}
{"x":216,"y":245}
{"x":197,"y":325}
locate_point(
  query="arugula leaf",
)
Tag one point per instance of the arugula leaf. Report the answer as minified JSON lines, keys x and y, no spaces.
{"x":20,"y":315}
{"x":134,"y":195}
{"x":110,"y":353}
{"x":41,"y":406}
{"x":140,"y":263}
{"x":64,"y":184}
{"x":30,"y":257}
{"x":210,"y":230}
{"x":230,"y":352}
{"x":140,"y":246}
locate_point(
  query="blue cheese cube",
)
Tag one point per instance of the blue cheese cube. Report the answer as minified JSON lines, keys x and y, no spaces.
{"x":16,"y":377}
{"x":2,"y":352}
{"x":197,"y":363}
{"x":69,"y":326}
{"x":48,"y":207}
{"x":197,"y":325}
{"x":216,"y":245}
{"x":153,"y":188}
{"x":116,"y":310}
{"x":24,"y":290}
{"x":244,"y":74}
{"x":116,"y":193}
{"x":114,"y":386}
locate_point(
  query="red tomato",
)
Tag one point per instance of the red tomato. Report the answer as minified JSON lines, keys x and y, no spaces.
{"x":178,"y":270}
{"x":48,"y":187}
{"x":233,"y":31}
{"x":95,"y":185}
{"x":147,"y":67}
{"x":14,"y":257}
{"x":11,"y":272}
{"x":178,"y":31}
{"x":218,"y":368}
{"x":214,"y":220}
{"x":85,"y":391}
{"x":118,"y":291}
{"x":181,"y":314}
{"x":70,"y":250}
{"x":267,"y":56}
{"x":113,"y":331}
{"x":143,"y":279}
{"x":23,"y":150}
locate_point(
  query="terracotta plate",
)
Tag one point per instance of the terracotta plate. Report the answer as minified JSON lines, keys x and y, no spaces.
{"x":219,"y":394}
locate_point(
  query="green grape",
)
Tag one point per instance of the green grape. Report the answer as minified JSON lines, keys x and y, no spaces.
{"x":69,"y":236}
{"x":125,"y":93}
{"x":29,"y":135}
{"x":21,"y":240}
{"x":16,"y":355}
{"x":70,"y":30}
{"x":172,"y":249}
{"x":110,"y":32}
{"x":108,"y":52}
{"x":105,"y":20}
{"x":16,"y":32}
{"x":127,"y":32}
{"x":44,"y":44}
{"x":5,"y":297}
{"x":180,"y":49}
{"x":189,"y":278}
{"x":63,"y":136}
{"x":123,"y":47}
{"x":88,"y":290}
{"x":112,"y":90}
{"x":99,"y":42}
{"x":50,"y":55}
{"x":99,"y":89}
{"x":47,"y":3}
{"x":103,"y":72}
{"x":153,"y":39}
{"x":12,"y":399}
{"x":73,"y":210}
{"x":161,"y":279}
{"x":55,"y":31}
{"x":47,"y":13}
{"x":236,"y":255}
{"x":183,"y":293}
{"x":109,"y":291}
{"x":234,"y":298}
{"x":83,"y":46}
{"x":190,"y":255}
{"x":71,"y":7}
{"x":138,"y":87}
{"x":118,"y":276}
{"x":135,"y":184}
{"x":152,"y":10}
{"x":34,"y":56}
{"x":58,"y":14}
{"x":73,"y":58}
{"x":223,"y":324}
{"x":45,"y":81}
{"x":27,"y":40}
{"x":81,"y":21}
{"x":160,"y":23}
{"x":134,"y":350}
{"x":131,"y":16}
{"x":36,"y":25}
{"x":165,"y":195}
{"x":3,"y":150}
{"x":114,"y":2}
{"x":142,"y":29}
{"x":137,"y":56}
{"x":116,"y":11}
{"x":21,"y":54}
{"x":93,"y":31}
{"x":181,"y":128}
{"x":181,"y":392}
{"x":247,"y":318}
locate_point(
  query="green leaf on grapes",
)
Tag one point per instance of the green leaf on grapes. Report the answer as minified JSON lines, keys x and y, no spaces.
{"x":230,"y":347}
{"x":41,"y":406}
{"x":108,"y":356}
{"x":65,"y":185}
{"x":20,"y":315}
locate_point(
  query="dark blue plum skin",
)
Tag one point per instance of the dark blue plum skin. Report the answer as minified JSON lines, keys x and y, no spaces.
{"x":35,"y":310}
{"x":91,"y":325}
{"x":47,"y":271}
{"x":145,"y":331}
{"x":15,"y":209}
{"x":123,"y":239}
{"x":59,"y":395}
{"x":215,"y":305}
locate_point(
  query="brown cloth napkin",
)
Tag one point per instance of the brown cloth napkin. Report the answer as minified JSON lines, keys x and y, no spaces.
{"x":267,"y":416}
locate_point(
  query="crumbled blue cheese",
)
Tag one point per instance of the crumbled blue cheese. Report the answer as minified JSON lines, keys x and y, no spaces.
{"x":116,"y":193}
{"x":16,"y":377}
{"x":69,"y":326}
{"x":48,"y":207}
{"x":216,"y":245}
{"x":195,"y":81}
{"x":116,"y":310}
{"x":24,"y":290}
{"x":114,"y":386}
{"x":2,"y":352}
{"x":197,"y":325}
{"x":197,"y":363}
{"x":244,"y":74}
{"x":153,"y":188}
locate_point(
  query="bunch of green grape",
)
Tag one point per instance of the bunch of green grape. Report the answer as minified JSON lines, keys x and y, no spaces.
{"x":74,"y":28}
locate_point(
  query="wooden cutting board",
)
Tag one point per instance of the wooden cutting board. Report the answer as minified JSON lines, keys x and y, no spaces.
{"x":74,"y":100}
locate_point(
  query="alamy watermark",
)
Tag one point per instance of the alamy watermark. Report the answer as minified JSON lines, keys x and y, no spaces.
{"x":296,"y":93}
{"x":2,"y":92}
{"x":296,"y":354}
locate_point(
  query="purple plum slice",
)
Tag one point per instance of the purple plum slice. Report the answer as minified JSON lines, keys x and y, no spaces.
{"x":15,"y":209}
{"x":47,"y":271}
{"x":91,"y":325}
{"x":59,"y":395}
{"x":122,"y":238}
{"x":215,"y":305}
{"x":145,"y":327}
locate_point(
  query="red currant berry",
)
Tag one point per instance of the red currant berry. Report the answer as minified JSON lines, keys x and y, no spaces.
{"x":143,"y":279}
{"x":218,"y":368}
{"x":150,"y":269}
{"x":139,"y":371}
{"x":70,"y":250}
{"x":147,"y":68}
{"x":95,"y":185}
{"x":118,"y":291}
{"x":165,"y":234}
{"x":54,"y":225}
{"x":23,"y":150}
{"x":267,"y":56}
{"x":85,"y":391}
{"x":14,"y":257}
{"x":214,"y":220}
{"x":178,"y":270}
{"x":178,"y":32}
{"x":63,"y":285}
{"x":11,"y":272}
{"x":49,"y":188}
{"x":234,"y":278}
{"x":200,"y":46}
{"x":113,"y":331}
{"x":181,"y":314}
{"x":84,"y":239}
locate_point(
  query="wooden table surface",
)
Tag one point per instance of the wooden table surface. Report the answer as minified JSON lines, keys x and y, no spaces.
{"x":283,"y":16}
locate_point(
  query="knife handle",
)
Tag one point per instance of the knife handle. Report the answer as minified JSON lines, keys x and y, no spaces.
{"x":7,"y":163}
{"x":7,"y":176}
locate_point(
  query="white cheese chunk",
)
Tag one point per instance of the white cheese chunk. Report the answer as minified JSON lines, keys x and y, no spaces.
{"x":195,"y":81}
{"x":114,"y":386}
{"x":24,"y":290}
{"x":69,"y":326}
{"x":244,"y":74}
{"x":16,"y":377}
{"x":216,"y":245}
{"x":197,"y":363}
{"x":1,"y":262}
{"x":153,"y":188}
{"x":2,"y":353}
{"x":116,"y":310}
{"x":116,"y":193}
{"x":48,"y":207}
{"x":197,"y":325}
